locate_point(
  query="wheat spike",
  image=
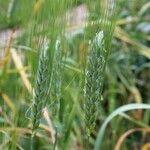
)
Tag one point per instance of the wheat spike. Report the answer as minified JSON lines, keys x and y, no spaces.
{"x":41,"y":89}
{"x":56,"y":78}
{"x":94,"y":80}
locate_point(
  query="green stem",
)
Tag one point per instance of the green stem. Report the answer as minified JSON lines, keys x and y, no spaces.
{"x":32,"y":140}
{"x":56,"y":138}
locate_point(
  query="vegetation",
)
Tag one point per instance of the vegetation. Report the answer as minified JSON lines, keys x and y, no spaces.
{"x":67,"y":68}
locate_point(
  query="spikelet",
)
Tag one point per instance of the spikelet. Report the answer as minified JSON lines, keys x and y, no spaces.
{"x":41,"y":88}
{"x":94,"y":80}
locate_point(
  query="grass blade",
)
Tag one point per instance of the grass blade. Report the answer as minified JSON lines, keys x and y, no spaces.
{"x":114,"y":114}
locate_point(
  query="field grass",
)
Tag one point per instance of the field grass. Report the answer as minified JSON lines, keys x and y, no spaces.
{"x":74,"y":75}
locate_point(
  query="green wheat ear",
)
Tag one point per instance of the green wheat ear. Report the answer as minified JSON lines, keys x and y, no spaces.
{"x":56,"y":78}
{"x":41,"y":88}
{"x":56,"y":71}
{"x":94,"y":80}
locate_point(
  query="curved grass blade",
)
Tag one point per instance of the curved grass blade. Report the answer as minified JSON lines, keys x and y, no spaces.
{"x":114,"y":114}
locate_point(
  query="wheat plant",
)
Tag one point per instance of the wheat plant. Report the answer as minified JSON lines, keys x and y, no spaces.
{"x":98,"y":56}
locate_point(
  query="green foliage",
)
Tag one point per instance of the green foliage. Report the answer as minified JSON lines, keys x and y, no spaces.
{"x":79,"y":82}
{"x":118,"y":111}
